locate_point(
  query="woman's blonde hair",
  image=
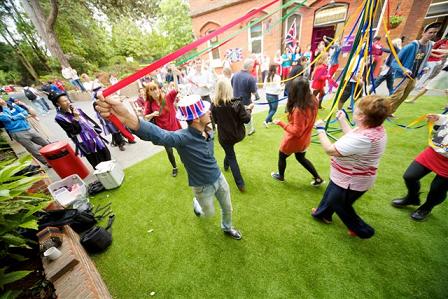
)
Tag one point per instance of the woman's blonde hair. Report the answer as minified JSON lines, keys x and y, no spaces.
{"x":223,"y":92}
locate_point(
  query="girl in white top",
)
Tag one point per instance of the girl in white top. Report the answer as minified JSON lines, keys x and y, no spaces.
{"x":272,"y":88}
{"x":354,"y":162}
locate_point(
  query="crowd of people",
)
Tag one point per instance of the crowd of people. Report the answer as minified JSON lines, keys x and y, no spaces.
{"x":202,"y":100}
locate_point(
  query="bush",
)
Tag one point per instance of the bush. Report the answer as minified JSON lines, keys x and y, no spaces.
{"x":18,"y":209}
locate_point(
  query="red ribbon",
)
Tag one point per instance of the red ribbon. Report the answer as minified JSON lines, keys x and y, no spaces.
{"x":170,"y":57}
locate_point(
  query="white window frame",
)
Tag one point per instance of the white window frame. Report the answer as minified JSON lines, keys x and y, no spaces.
{"x":260,"y":38}
{"x":380,"y":21}
{"x":214,"y":62}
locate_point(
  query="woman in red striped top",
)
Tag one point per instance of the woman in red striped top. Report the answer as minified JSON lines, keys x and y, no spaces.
{"x":354,"y":162}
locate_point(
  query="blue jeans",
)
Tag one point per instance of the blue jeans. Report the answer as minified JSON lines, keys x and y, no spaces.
{"x":273,"y":104}
{"x":340,"y":200}
{"x":205,"y":195}
{"x":230,"y":161}
{"x":77,"y":83}
{"x":389,"y":78}
{"x":41,"y":104}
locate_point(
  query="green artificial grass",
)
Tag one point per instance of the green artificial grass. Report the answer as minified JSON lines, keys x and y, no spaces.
{"x":160,"y":246}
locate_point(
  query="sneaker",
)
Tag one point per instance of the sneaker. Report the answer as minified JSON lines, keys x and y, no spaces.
{"x":265,"y":124}
{"x":324,"y":220}
{"x":242,"y":189}
{"x":132,"y":142}
{"x":317,"y":182}
{"x":352,"y":233}
{"x":251,"y":132}
{"x":233,"y":233}
{"x":197,"y":208}
{"x":404,"y":201}
{"x":121,"y":147}
{"x":174,"y":173}
{"x":420,"y":215}
{"x":277,"y":176}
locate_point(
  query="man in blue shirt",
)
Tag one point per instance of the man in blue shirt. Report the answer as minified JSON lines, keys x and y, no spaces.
{"x":244,"y":85}
{"x":195,"y":147}
{"x":14,"y":118}
{"x":413,"y":57}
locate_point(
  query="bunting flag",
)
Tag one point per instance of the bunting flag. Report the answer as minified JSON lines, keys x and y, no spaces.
{"x":290,"y":38}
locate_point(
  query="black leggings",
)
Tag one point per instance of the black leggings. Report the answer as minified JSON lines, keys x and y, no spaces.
{"x":98,"y":157}
{"x":170,"y":153}
{"x":437,"y":192}
{"x":300,"y":157}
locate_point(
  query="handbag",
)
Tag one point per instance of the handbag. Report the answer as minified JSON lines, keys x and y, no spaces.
{"x":97,"y":238}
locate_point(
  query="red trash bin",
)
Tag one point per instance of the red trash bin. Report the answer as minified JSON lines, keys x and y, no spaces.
{"x":63,"y":159}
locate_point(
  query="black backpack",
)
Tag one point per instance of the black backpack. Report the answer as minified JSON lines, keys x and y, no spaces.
{"x":29,"y":94}
{"x":97,"y":238}
{"x":80,"y":221}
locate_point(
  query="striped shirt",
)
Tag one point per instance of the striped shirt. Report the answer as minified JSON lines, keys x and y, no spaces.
{"x":361,"y":150}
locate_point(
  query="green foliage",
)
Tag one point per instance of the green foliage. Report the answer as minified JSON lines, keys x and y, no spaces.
{"x":17,"y":209}
{"x":175,"y":24}
{"x":395,"y":20}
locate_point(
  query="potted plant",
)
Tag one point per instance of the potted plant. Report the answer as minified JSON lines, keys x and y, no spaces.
{"x":395,"y":21}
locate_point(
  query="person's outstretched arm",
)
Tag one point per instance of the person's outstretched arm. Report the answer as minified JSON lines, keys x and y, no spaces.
{"x":143,"y":129}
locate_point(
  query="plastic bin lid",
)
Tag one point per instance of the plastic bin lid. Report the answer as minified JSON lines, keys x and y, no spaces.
{"x":53,"y":148}
{"x":105,"y":166}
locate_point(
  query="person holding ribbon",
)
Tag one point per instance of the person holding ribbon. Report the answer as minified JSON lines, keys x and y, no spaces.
{"x":81,"y":129}
{"x":161,"y":110}
{"x":433,"y":159}
{"x":195,"y":147}
{"x":354,"y":163}
{"x":302,"y":109}
{"x":413,"y":58}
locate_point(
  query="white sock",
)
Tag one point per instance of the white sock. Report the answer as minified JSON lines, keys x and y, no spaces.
{"x":197,"y":207}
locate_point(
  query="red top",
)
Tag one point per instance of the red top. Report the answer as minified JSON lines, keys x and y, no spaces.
{"x":298,"y":130}
{"x":254,"y":69}
{"x":167,"y":119}
{"x":433,"y":161}
{"x":320,"y":76}
{"x":441,"y":44}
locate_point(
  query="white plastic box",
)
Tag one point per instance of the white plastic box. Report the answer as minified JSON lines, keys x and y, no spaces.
{"x":69,"y":190}
{"x":110,"y":174}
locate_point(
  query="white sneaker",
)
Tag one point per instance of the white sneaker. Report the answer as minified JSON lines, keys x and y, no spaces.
{"x":265,"y":124}
{"x":197,"y":208}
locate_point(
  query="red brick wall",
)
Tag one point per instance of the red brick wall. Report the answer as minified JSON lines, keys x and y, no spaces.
{"x":413,"y":10}
{"x":271,"y":41}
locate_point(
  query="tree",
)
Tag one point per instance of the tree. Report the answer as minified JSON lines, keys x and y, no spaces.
{"x":175,"y":24}
{"x":45,"y":27}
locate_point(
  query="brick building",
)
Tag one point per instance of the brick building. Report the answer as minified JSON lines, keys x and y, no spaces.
{"x":313,"y":20}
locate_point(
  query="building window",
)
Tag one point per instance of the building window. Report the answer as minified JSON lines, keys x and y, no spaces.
{"x":214,"y":54}
{"x":330,"y":14}
{"x":378,"y":16}
{"x":256,"y":38}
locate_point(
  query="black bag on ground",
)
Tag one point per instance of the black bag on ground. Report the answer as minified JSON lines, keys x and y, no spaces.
{"x":97,"y":238}
{"x":29,"y":94}
{"x":79,"y":221}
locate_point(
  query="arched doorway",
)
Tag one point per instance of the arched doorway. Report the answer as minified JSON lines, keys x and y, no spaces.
{"x":329,"y":21}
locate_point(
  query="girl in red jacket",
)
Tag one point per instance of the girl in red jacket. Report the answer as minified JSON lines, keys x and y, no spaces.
{"x":302,"y":111}
{"x":320,"y":77}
